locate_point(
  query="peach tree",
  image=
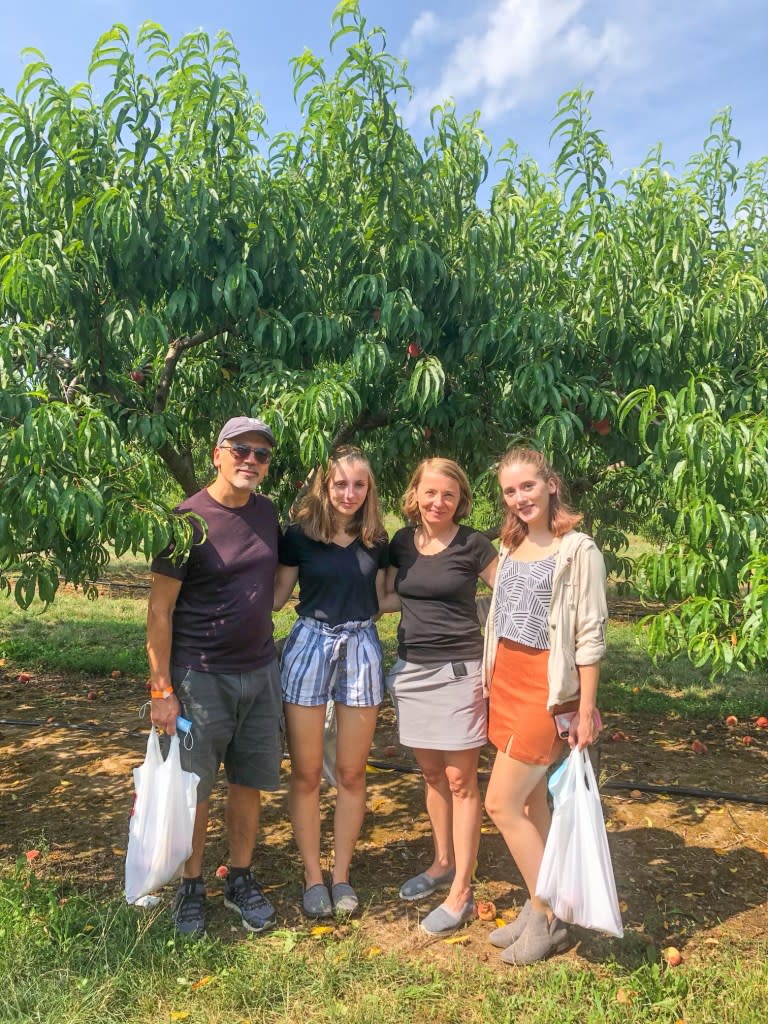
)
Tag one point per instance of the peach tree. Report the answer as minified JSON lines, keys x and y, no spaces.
{"x":165,"y":263}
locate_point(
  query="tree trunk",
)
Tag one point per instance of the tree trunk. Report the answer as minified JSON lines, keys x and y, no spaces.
{"x":181,"y":468}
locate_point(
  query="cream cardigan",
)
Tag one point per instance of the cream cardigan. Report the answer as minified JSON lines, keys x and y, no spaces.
{"x":577,"y":617}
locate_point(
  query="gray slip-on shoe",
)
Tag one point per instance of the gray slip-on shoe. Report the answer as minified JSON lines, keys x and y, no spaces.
{"x":316,"y":901}
{"x":442,"y":921}
{"x":344,"y":898}
{"x":422,"y":885}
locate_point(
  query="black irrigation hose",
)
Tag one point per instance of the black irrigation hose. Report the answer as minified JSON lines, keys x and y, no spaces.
{"x":642,"y":787}
{"x":404,"y":769}
{"x":705,"y":794}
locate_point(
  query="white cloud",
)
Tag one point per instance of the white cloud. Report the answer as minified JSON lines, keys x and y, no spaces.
{"x":518,"y":50}
{"x":421,"y":31}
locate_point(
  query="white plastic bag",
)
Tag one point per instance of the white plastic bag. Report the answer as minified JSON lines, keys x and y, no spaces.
{"x":160,"y":829}
{"x":576,"y":875}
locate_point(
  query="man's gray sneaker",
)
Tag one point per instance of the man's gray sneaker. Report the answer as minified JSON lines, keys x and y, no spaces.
{"x":245,"y":896}
{"x":188,"y":910}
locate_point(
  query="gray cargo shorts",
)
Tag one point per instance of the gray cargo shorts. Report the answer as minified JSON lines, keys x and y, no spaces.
{"x":237,"y":720}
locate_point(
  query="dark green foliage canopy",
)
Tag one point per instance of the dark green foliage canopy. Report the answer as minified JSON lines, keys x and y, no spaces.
{"x":164,"y":264}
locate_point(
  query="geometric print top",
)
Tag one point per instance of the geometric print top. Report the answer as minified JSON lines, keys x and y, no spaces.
{"x":522,"y":602}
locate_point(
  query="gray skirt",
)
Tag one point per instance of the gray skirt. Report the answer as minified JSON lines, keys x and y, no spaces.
{"x":439,"y":707}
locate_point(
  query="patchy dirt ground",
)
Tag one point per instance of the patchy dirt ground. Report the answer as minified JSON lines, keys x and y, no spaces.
{"x":690,"y":871}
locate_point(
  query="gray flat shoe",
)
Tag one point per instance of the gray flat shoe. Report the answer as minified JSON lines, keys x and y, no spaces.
{"x":540,"y":939}
{"x":344,"y":898}
{"x":422,"y":885}
{"x":509,"y":933}
{"x":441,"y":920}
{"x":316,"y":901}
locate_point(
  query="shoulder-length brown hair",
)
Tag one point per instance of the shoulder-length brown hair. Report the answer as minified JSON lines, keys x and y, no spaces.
{"x":315,"y":514}
{"x":448,"y":468}
{"x":562,"y":518}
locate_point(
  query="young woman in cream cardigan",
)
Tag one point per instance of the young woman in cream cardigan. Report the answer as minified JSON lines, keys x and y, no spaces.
{"x":544,"y":640}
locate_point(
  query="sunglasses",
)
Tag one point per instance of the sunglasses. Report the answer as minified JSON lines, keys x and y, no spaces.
{"x":242,"y":451}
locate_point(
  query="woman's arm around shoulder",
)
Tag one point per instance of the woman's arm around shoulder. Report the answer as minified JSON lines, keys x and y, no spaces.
{"x":386,"y":595}
{"x":486,"y":557}
{"x":489,"y":573}
{"x":285,"y":581}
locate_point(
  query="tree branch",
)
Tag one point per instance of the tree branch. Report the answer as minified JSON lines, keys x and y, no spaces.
{"x":175,"y":350}
{"x":363,"y":423}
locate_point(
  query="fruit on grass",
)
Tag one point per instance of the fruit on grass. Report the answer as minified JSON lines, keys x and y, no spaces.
{"x":619,"y":736}
{"x":32,"y":855}
{"x":731,"y":720}
{"x":486,"y":910}
{"x":602,"y":427}
{"x":698,"y":747}
{"x":762,"y":722}
{"x":414,"y":349}
{"x":747,"y":740}
{"x":91,"y":695}
{"x":672,"y":955}
{"x":24,"y":677}
{"x":116,"y":673}
{"x":222,"y":871}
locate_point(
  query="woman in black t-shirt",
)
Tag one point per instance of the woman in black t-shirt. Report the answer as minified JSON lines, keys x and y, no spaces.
{"x":436,"y":682}
{"x":337,"y":549}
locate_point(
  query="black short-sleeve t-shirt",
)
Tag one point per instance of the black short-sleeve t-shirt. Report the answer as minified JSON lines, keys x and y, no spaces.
{"x":438,"y":622}
{"x":336,"y":584}
{"x":222,"y":621}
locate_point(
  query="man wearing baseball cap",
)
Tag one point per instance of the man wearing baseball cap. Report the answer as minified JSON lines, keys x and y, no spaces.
{"x":212,"y":659}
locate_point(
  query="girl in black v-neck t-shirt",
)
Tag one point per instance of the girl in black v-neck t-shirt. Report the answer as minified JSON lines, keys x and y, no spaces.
{"x":338,"y":551}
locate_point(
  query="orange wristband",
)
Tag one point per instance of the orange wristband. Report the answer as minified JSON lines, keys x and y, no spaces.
{"x":160,"y":694}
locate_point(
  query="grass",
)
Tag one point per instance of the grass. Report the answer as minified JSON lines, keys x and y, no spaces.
{"x":74,"y":957}
{"x":70,"y":957}
{"x":76,"y":636}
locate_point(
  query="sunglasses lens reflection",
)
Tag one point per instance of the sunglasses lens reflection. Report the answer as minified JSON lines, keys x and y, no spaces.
{"x":242,"y":451}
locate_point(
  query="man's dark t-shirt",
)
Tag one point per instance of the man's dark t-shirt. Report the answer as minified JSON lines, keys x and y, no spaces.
{"x":439,"y":620}
{"x":336,"y":584}
{"x":222,"y":621}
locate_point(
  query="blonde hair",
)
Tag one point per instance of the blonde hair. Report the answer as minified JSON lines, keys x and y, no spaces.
{"x":315,"y":514}
{"x":447,"y":467}
{"x":562,"y":518}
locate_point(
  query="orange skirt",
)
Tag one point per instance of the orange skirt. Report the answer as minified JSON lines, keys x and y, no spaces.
{"x":519,"y":724}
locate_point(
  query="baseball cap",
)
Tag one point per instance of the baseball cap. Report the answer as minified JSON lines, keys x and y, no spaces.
{"x":244,"y":425}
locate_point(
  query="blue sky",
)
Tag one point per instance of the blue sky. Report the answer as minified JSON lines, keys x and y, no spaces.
{"x":660,"y":69}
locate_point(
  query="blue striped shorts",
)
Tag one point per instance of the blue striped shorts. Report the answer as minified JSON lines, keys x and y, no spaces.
{"x":342,"y":663}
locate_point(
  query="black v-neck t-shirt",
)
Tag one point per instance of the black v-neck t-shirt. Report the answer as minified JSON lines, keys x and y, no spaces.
{"x":439,"y":622}
{"x":336,"y":584}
